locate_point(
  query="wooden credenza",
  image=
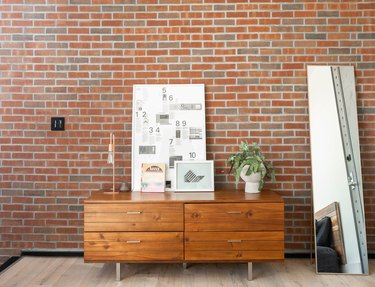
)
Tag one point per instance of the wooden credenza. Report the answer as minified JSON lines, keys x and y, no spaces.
{"x":221,"y":226}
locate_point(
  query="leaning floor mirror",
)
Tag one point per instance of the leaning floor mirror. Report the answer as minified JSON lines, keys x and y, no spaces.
{"x":340,"y":232}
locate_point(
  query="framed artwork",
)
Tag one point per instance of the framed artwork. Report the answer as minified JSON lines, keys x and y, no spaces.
{"x":169,"y":125}
{"x":194,"y":175}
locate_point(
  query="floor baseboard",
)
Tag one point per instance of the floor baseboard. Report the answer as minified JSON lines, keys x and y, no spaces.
{"x":52,"y":253}
{"x":9,"y":262}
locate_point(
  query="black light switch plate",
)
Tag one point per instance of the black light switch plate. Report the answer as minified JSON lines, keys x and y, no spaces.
{"x":57,"y":124}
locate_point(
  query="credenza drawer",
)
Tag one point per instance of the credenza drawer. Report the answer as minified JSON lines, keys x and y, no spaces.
{"x":234,"y":217}
{"x":133,"y":217}
{"x":133,"y":207}
{"x":133,"y":246}
{"x":234,"y":246}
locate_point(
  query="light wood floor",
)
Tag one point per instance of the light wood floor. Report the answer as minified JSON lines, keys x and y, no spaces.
{"x":71,"y":272}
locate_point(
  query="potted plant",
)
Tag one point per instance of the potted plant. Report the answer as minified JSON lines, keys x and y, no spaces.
{"x":251,"y":165}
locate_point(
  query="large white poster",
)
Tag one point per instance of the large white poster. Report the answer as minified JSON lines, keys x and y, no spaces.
{"x":168,"y":125}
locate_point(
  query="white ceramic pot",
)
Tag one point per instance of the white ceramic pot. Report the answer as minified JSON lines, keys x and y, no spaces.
{"x":252,"y":180}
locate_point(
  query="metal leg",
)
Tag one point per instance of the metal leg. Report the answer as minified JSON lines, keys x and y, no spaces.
{"x":184,"y":265}
{"x":250,"y":271}
{"x":118,"y":272}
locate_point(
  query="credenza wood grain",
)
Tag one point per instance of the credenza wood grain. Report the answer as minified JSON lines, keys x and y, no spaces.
{"x":219,"y":196}
{"x":133,"y":246}
{"x":234,"y":217}
{"x":233,"y":256}
{"x":258,"y":236}
{"x":133,"y":217}
{"x":136,"y":256}
{"x":132,"y":208}
{"x":224,"y":246}
{"x":126,"y":236}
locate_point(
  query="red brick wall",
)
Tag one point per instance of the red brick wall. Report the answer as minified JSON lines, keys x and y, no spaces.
{"x":80,"y":58}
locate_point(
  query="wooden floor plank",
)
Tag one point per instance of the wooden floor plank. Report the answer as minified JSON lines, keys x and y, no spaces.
{"x":73,"y":272}
{"x":50,"y":279}
{"x":42,"y":277}
{"x":22,"y":272}
{"x":27,"y":276}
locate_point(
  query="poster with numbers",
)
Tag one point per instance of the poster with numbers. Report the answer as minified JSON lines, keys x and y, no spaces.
{"x":168,"y":125}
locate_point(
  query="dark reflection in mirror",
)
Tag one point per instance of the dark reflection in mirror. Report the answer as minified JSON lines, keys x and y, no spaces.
{"x":330,"y":250}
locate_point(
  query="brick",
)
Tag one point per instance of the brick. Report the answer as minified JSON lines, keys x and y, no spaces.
{"x":366,"y":65}
{"x":214,"y":74}
{"x":34,"y":15}
{"x":80,"y":2}
{"x":365,"y":36}
{"x":101,"y":30}
{"x":339,"y":51}
{"x":115,"y":8}
{"x":325,"y":14}
{"x":248,"y":81}
{"x":224,"y":7}
{"x":22,"y":37}
{"x":79,"y":178}
{"x":248,"y":51}
{"x":292,"y":6}
{"x":315,"y":36}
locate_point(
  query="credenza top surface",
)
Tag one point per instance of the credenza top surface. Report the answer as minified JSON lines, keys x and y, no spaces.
{"x":219,"y":196}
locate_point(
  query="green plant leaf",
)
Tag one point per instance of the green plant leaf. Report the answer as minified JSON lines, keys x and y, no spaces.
{"x":251,"y":155}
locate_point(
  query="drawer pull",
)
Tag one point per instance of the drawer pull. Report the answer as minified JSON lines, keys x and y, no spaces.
{"x":234,"y":241}
{"x":133,"y":241}
{"x":134,"y":212}
{"x":233,"y":212}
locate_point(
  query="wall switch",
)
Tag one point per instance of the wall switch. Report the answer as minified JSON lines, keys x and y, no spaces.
{"x":57,"y":124}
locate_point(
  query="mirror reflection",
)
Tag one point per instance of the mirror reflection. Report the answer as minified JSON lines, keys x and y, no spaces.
{"x":340,"y":238}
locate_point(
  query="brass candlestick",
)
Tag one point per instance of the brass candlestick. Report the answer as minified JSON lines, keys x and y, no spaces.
{"x":112,"y":160}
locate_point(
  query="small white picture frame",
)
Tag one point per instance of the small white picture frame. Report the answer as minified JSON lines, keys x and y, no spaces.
{"x":194,"y":176}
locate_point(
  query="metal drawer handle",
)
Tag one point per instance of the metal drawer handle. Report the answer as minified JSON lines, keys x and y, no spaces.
{"x":133,"y":241}
{"x":233,"y":212}
{"x":234,"y":241}
{"x":134,"y":212}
